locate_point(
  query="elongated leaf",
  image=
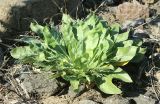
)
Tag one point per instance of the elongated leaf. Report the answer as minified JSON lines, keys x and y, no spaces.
{"x":30,"y":40}
{"x":121,"y":37}
{"x":40,"y":57}
{"x":140,"y":55}
{"x":121,"y":63}
{"x":115,"y":28}
{"x":21,"y":52}
{"x":122,"y":75}
{"x":137,"y":42}
{"x":48,"y":37}
{"x":126,"y":43}
{"x":38,"y":29}
{"x":125,"y":54}
{"x":66,"y":19}
{"x":106,"y":86}
{"x":74,"y":85}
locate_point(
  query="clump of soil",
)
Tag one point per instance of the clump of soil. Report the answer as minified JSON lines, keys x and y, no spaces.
{"x":16,"y":15}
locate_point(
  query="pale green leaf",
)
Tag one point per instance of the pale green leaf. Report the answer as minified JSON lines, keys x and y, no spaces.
{"x":48,"y":37}
{"x":30,"y":40}
{"x":115,"y":28}
{"x":125,"y":54}
{"x":40,"y":57}
{"x":137,"y":42}
{"x":106,"y":86}
{"x":121,"y":37}
{"x":74,"y":85}
{"x":21,"y":52}
{"x":38,"y":29}
{"x":122,"y":75}
{"x":139,"y":55}
{"x":66,"y":19}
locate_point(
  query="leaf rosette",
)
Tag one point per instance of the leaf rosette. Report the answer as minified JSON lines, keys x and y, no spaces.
{"x":82,"y":51}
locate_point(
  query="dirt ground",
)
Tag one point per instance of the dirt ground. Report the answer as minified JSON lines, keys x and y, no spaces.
{"x":24,"y":84}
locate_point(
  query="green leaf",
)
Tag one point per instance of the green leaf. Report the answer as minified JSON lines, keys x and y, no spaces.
{"x":53,"y":76}
{"x":124,"y":54}
{"x":122,"y":75}
{"x":74,"y":85}
{"x":137,"y":42}
{"x":38,"y":29}
{"x":105,"y":85}
{"x":126,"y":43}
{"x":91,"y":19}
{"x":21,"y":52}
{"x":139,"y":55}
{"x":40,"y":57}
{"x":115,"y":28}
{"x":121,"y":37}
{"x":30,"y":40}
{"x":66,"y":19}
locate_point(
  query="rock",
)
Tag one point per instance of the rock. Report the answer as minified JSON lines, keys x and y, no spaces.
{"x":131,"y":11}
{"x":40,"y":84}
{"x":108,"y":14}
{"x":140,"y":34}
{"x":73,"y":94}
{"x":109,"y":17}
{"x":115,"y":99}
{"x":86,"y":102}
{"x":142,"y":99}
{"x":133,"y":23}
